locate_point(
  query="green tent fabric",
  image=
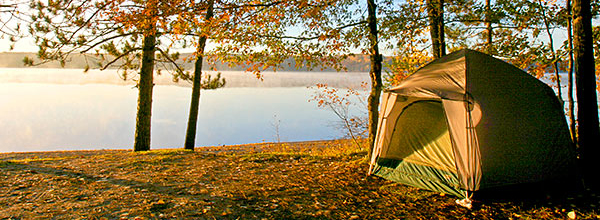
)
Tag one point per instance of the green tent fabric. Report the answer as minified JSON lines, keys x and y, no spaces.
{"x":468,"y":121}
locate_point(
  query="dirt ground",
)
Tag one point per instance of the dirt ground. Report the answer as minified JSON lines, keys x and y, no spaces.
{"x":307,"y":180}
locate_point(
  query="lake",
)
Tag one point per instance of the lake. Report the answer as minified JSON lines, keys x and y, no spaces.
{"x":58,"y":109}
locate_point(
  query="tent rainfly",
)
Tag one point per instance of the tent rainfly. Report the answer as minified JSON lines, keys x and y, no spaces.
{"x":467,"y":122}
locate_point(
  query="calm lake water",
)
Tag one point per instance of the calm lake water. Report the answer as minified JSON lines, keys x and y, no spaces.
{"x":42,"y":110}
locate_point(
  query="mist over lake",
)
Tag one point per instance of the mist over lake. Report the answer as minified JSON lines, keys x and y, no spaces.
{"x":65,"y":109}
{"x":234,"y":78}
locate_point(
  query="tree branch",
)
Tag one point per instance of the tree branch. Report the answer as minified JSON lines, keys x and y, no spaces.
{"x":179,"y":69}
{"x":105,"y":40}
{"x":249,"y":6}
{"x":119,"y":57}
{"x":313,"y":37}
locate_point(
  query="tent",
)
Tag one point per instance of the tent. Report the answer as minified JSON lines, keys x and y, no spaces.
{"x":467,"y":122}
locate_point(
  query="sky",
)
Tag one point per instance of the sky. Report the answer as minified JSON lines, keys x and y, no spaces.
{"x":28,"y":45}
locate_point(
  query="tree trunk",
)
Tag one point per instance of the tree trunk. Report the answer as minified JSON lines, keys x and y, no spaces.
{"x":441,"y":28}
{"x":144,"y":106}
{"x":374,"y":73}
{"x":190,"y":135}
{"x":585,"y":80}
{"x":573,"y":126}
{"x":488,"y":14}
{"x":435,"y":11}
{"x":554,"y":58}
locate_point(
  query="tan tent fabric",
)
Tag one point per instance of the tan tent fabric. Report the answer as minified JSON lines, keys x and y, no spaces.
{"x":443,"y":78}
{"x":382,"y":123}
{"x":504,"y":126}
{"x":446,"y":79}
{"x":466,"y":148}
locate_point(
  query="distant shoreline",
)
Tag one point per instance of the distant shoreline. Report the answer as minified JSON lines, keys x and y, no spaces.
{"x":233,"y":78}
{"x":354,"y":63}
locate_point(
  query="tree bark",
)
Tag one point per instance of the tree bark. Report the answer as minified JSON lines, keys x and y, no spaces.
{"x":585,"y":80}
{"x":190,"y":135}
{"x":374,"y":73}
{"x":488,"y":14}
{"x":572,"y":126}
{"x":435,"y":11}
{"x":145,"y":85}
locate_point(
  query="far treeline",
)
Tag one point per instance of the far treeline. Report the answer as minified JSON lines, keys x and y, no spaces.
{"x":353,"y":63}
{"x":139,"y":36}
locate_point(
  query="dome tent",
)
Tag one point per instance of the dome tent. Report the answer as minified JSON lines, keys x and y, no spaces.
{"x":468,"y":121}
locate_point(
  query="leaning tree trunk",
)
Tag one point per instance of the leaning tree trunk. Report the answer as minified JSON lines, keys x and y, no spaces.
{"x":554,"y":57}
{"x":374,"y":73}
{"x":435,"y":11}
{"x":144,"y":106}
{"x":573,"y":126}
{"x":585,"y":80}
{"x":190,"y":135}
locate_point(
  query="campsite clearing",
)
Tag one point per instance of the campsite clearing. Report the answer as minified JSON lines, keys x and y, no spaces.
{"x":304,"y":180}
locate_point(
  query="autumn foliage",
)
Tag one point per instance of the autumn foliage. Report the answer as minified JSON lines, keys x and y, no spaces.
{"x":348,"y":105}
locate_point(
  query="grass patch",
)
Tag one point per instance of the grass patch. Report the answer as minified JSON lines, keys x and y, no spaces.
{"x":37,"y":159}
{"x":4,"y":163}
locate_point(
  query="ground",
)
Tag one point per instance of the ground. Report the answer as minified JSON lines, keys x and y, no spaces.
{"x":305,"y":180}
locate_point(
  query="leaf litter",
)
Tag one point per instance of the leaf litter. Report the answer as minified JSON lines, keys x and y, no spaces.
{"x":302,"y":180}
